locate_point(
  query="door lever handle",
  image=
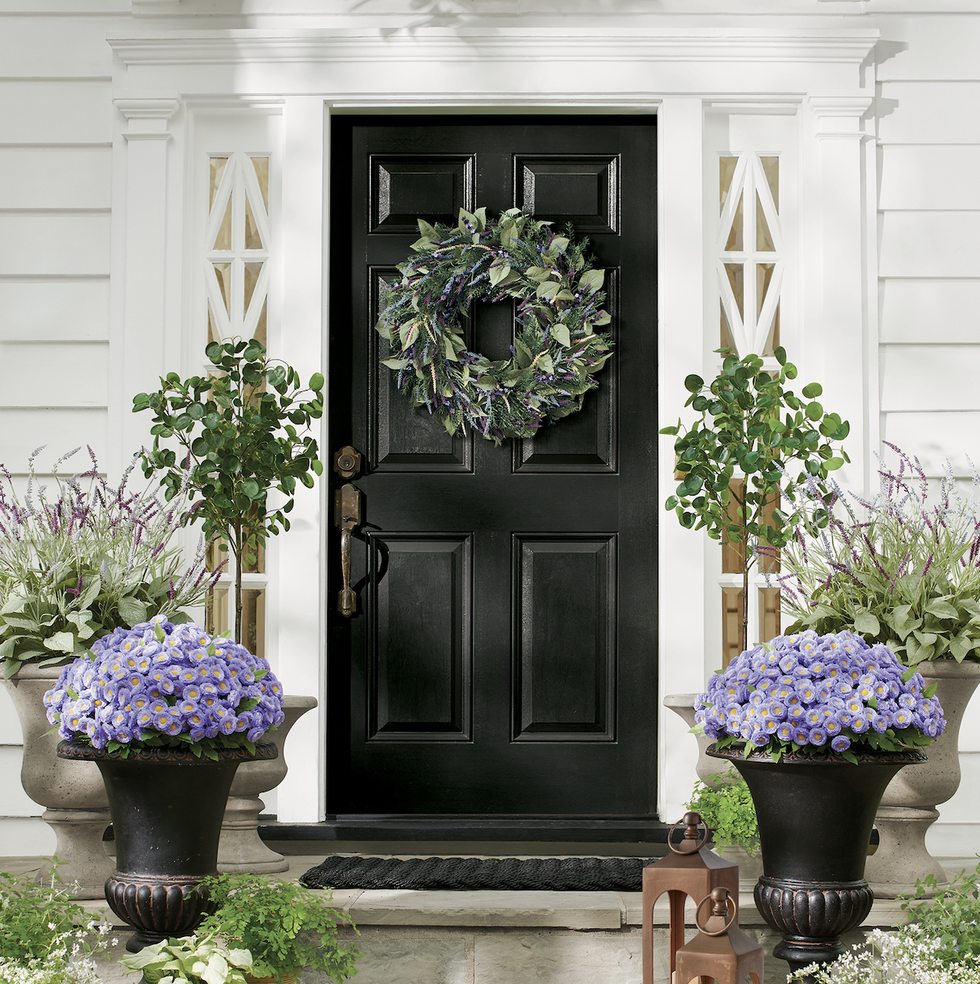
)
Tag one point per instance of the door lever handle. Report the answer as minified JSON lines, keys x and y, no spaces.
{"x":346,"y":517}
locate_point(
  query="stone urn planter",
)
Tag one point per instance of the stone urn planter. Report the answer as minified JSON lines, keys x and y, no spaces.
{"x":240,"y":848}
{"x":683,"y":706}
{"x":74,"y":798}
{"x":908,"y":806}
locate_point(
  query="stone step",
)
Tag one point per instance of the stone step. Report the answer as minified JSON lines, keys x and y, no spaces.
{"x":504,"y":937}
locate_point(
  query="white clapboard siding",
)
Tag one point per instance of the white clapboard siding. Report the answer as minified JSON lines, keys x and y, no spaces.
{"x":27,"y":837}
{"x":25,"y":430}
{"x":60,"y":374}
{"x":46,"y":309}
{"x":55,"y":177}
{"x":929,"y":377}
{"x":15,"y":801}
{"x":936,"y":311}
{"x":78,"y":49}
{"x":10,"y":733}
{"x":54,"y":243}
{"x":930,"y":244}
{"x":938,"y":48}
{"x":929,"y":112}
{"x":55,"y":112}
{"x":939,"y":177}
{"x":935,"y":437}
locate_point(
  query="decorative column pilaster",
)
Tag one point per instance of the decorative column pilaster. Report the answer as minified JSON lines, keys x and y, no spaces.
{"x":139,"y":268}
{"x":845,"y":255}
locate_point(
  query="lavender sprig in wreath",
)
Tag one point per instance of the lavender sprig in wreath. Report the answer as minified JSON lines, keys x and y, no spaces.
{"x":164,"y":684}
{"x":558,"y":347}
{"x":805,"y":692}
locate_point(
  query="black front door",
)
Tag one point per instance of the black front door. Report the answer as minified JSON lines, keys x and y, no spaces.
{"x":503,"y":658}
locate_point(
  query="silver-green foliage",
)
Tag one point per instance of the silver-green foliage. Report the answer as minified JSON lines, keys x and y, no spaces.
{"x":190,"y":959}
{"x":902,"y":568}
{"x":83,"y":557}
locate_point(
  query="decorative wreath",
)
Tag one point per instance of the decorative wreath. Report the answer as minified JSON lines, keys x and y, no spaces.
{"x":557,"y":348}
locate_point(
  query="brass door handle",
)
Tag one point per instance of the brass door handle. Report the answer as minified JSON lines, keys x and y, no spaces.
{"x":346,"y":517}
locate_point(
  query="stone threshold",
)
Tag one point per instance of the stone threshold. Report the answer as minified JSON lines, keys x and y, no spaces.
{"x":507,"y":909}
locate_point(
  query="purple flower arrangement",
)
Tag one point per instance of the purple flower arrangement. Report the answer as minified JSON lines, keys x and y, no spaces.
{"x":808,"y":692}
{"x":161,"y":684}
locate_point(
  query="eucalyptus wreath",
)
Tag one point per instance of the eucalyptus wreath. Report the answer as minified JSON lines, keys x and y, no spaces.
{"x":557,"y":348}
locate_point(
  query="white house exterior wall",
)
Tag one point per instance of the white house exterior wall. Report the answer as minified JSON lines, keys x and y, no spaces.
{"x":98,"y":144}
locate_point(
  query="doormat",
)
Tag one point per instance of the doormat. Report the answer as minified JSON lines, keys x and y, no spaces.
{"x":471,"y":874}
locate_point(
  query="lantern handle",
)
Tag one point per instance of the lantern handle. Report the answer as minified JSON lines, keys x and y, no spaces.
{"x":719,"y":897}
{"x":692,"y":842}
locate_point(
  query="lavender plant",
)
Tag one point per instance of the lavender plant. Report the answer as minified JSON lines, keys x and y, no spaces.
{"x":802,"y":692}
{"x":78,"y":560}
{"x":161,"y":684}
{"x":902,"y":568}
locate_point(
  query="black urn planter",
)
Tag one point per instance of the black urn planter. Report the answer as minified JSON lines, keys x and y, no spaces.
{"x":167,"y":806}
{"x":815,"y":816}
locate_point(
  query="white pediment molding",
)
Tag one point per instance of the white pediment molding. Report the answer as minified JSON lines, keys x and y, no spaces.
{"x":479,"y":66}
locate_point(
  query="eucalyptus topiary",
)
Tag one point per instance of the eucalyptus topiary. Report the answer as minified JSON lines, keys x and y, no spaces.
{"x":752,"y":427}
{"x":242,"y":431}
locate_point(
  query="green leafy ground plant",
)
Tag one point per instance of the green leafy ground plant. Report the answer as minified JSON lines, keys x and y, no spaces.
{"x":725,"y":805}
{"x":752,"y":427}
{"x":241,"y":433}
{"x":45,"y":937}
{"x":950,"y":914}
{"x":286,"y":928}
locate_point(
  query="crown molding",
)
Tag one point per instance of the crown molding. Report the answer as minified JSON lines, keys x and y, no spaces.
{"x":497,"y":45}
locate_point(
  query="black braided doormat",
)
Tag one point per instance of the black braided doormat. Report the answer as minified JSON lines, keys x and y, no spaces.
{"x":470,"y":874}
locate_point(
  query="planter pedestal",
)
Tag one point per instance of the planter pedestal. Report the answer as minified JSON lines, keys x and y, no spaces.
{"x":908,"y":807}
{"x":240,"y":848}
{"x":76,"y":807}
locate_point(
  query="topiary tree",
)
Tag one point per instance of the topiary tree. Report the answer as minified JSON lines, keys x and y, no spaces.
{"x":751,"y":427}
{"x":241,"y":432}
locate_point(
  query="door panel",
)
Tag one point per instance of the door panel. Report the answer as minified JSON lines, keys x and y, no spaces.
{"x":503,"y":661}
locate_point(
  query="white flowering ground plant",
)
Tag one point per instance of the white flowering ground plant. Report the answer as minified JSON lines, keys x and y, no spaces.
{"x":910,"y":956}
{"x":806,"y":693}
{"x":83,"y":557}
{"x":46,"y":937}
{"x":160,"y":684}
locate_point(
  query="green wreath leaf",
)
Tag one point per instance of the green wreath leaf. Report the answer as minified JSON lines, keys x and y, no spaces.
{"x":558,"y":348}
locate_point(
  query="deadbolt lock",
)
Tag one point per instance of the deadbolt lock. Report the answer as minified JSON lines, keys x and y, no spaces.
{"x":347,"y":462}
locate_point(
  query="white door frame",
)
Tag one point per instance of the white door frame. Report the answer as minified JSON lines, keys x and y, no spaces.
{"x":163,"y":84}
